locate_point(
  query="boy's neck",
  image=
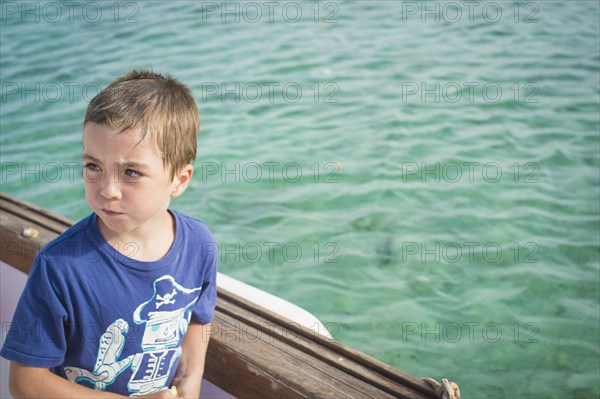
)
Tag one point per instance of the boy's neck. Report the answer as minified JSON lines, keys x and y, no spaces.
{"x":147,"y":244}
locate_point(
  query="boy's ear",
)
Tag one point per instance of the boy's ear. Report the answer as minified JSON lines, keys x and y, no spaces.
{"x":181,"y":180}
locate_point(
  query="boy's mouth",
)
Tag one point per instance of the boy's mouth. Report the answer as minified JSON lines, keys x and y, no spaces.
{"x":111,"y":213}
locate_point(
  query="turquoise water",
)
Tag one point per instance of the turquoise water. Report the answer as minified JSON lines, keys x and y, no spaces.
{"x":428,"y":188}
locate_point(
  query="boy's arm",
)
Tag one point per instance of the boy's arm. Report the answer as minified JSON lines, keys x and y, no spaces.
{"x":191,"y":365}
{"x":39,"y":382}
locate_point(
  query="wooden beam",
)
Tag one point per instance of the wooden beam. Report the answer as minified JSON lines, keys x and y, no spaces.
{"x":253,"y":352}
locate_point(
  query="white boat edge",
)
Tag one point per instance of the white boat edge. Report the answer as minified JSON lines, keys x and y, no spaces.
{"x":275,"y":304}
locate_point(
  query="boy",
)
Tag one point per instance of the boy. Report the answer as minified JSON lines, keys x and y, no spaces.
{"x":121,"y":302}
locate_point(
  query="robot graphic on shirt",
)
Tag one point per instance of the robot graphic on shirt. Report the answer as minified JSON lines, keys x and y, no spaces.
{"x":166,"y":316}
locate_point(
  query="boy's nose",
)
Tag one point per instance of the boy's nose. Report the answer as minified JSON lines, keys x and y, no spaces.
{"x":110,"y":188}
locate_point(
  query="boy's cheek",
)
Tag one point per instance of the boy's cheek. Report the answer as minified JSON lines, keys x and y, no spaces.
{"x":88,"y":188}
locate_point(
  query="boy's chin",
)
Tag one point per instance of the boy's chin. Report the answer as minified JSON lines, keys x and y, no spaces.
{"x":112,"y":227}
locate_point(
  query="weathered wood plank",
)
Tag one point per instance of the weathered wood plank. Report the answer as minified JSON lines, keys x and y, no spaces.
{"x":298,"y":371}
{"x":253,"y":353}
{"x":333,"y":375}
{"x":327,"y":350}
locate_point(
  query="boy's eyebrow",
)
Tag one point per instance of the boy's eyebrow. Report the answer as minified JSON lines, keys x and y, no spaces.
{"x":137,"y":165}
{"x":134,"y":164}
{"x":86,"y":155}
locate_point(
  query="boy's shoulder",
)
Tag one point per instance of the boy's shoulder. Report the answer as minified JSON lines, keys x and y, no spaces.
{"x":78,"y":234}
{"x":196,"y":226}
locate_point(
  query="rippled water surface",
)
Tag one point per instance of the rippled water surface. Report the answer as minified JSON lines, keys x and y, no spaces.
{"x":429,"y":189}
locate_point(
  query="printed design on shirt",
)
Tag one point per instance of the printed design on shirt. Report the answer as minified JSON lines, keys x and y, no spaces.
{"x":107,"y":367}
{"x":165,"y":317}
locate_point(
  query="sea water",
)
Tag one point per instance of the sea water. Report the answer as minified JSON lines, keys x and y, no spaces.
{"x":422,"y":176}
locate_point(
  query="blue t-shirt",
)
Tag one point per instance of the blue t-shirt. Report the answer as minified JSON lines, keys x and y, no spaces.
{"x":101,"y":319}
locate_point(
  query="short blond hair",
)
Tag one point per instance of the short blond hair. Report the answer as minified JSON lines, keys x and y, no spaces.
{"x":158,"y":104}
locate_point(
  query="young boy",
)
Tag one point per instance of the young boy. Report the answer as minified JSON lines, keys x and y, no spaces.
{"x":120,"y":303}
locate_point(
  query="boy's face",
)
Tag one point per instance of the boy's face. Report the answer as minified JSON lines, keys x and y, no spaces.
{"x":126,"y":183}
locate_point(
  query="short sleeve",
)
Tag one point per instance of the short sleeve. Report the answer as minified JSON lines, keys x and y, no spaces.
{"x":204,"y":309}
{"x":36,"y":336}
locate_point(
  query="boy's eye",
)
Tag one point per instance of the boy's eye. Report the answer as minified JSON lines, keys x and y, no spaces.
{"x":92,"y":167}
{"x":132,"y":173}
